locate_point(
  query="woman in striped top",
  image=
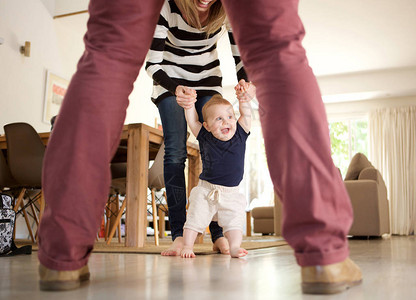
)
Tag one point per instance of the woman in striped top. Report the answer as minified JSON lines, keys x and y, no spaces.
{"x":184,"y":65}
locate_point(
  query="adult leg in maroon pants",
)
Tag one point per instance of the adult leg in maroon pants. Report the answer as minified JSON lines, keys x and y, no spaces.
{"x":76,"y":172}
{"x":317,"y":212}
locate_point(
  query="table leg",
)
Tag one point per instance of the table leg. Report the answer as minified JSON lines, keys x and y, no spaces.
{"x":137,"y":179}
{"x":248,"y":223}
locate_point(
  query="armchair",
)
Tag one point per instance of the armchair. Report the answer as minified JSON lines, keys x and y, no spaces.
{"x":267,"y":219}
{"x":368,"y":194}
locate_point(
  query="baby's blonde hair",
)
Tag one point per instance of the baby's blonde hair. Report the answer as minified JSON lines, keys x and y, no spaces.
{"x":217,"y":99}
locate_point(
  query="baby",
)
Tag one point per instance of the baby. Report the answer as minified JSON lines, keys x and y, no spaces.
{"x":222,"y":141}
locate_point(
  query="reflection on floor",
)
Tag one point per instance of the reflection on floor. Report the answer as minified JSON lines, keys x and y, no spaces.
{"x":388,"y":265}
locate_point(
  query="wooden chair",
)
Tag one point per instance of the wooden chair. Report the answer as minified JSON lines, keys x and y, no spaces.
{"x":7,"y":182}
{"x":156,"y":182}
{"x":25,"y":152}
{"x":112,"y":209}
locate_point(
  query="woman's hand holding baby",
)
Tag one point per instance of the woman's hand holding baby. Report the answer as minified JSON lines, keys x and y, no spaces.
{"x":185,"y":96}
{"x":245,"y":91}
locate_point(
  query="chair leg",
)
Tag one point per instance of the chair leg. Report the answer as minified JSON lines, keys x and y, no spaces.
{"x":35,"y":216}
{"x":154,"y":213}
{"x":41,"y":210}
{"x":114,"y":217}
{"x":16,"y":208}
{"x":27,"y":221}
{"x":119,"y":232}
{"x":161,"y":215}
{"x":20,"y":203}
{"x":42,"y":205}
{"x":118,"y":218}
{"x":107,"y":217}
{"x":19,"y":199}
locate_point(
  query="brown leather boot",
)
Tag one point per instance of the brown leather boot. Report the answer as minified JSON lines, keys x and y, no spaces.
{"x":53,"y":280}
{"x":330,"y":279}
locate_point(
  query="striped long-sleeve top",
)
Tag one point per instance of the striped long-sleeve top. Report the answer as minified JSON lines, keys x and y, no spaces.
{"x":183,"y":55}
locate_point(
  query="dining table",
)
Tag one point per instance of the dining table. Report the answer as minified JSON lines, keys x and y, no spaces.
{"x":139,"y":144}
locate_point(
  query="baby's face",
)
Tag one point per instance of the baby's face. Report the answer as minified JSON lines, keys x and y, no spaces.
{"x":221,"y":121}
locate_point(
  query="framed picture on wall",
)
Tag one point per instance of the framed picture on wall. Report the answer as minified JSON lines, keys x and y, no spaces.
{"x":55,"y":90}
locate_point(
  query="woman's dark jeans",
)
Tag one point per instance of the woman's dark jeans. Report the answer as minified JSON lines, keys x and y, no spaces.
{"x":174,"y":133}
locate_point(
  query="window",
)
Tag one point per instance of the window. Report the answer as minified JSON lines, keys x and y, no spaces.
{"x":347,"y":138}
{"x":257,"y":184}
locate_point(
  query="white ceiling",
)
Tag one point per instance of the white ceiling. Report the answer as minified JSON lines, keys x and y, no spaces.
{"x":344,"y":36}
{"x":347,"y":37}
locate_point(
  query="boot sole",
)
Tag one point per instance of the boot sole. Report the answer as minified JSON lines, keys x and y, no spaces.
{"x":60,"y":285}
{"x":327,"y":288}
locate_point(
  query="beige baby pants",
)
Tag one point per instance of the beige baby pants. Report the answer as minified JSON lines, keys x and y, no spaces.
{"x":210,"y":202}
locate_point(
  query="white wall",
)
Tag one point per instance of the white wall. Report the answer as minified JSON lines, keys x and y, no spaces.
{"x":56,"y":45}
{"x":22,"y":79}
{"x":346,"y":110}
{"x":63,"y":7}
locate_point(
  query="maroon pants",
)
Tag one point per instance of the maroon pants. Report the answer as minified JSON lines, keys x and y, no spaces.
{"x":316,"y":209}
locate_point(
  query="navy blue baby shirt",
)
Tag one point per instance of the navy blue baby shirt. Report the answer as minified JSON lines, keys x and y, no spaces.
{"x":222,"y":161}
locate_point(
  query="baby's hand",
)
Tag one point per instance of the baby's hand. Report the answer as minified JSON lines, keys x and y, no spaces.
{"x":185,"y":96}
{"x":245,"y":91}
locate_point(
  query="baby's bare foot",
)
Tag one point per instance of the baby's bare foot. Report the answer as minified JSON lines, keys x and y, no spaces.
{"x":238,"y":252}
{"x":175,"y":248}
{"x":221,"y":245}
{"x":187,"y":252}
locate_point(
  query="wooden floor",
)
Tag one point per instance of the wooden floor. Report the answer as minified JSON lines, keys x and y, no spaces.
{"x":388,"y":265}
